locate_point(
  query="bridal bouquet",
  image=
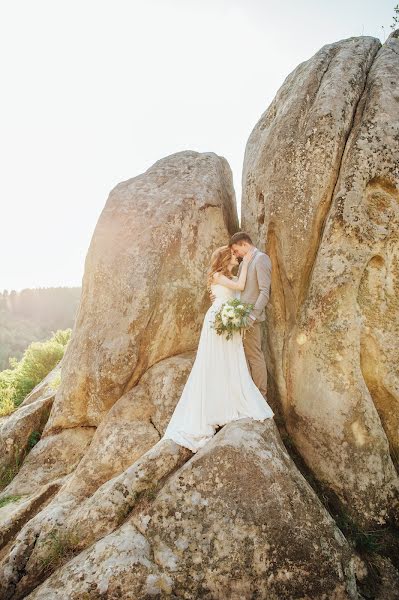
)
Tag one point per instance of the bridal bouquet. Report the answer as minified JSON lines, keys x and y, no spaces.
{"x":232,"y":316}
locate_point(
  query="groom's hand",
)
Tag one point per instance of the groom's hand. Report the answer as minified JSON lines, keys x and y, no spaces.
{"x":212,"y":296}
{"x":250,"y":321}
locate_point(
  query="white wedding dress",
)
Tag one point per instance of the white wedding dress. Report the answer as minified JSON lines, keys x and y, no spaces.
{"x":219,"y":387}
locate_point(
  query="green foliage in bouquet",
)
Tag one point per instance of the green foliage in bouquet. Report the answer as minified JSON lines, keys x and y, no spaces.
{"x":232,"y":316}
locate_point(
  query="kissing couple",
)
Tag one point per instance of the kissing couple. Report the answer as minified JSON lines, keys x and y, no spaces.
{"x":228,"y":379}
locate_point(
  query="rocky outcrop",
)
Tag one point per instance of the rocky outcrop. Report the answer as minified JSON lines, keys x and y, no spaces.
{"x":143,"y":290}
{"x":65,"y":528}
{"x":320,"y":194}
{"x":118,"y":566}
{"x":131,"y":349}
{"x":17,"y":430}
{"x":102,"y":506}
{"x":236,"y":521}
{"x":132,"y":426}
{"x":122,"y":461}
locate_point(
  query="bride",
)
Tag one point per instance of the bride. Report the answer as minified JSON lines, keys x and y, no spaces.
{"x":219,"y":388}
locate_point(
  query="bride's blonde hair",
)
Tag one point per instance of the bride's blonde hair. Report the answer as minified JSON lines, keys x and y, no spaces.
{"x":220,"y":260}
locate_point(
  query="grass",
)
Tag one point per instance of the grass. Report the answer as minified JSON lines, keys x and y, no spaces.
{"x":61,"y":546}
{"x":38,"y":360}
{"x":7,"y":406}
{"x":8,"y":499}
{"x":33,"y":439}
{"x":150,"y":493}
{"x":8,"y":473}
{"x":383,"y":540}
{"x":122,"y":512}
{"x":142,"y":498}
{"x":55,"y":383}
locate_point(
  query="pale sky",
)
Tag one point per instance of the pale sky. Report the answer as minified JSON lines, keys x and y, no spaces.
{"x":94,"y":92}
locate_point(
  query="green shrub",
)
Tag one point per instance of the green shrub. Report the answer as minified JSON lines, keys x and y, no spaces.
{"x":6,"y":401}
{"x":8,"y":500}
{"x":54,"y":384}
{"x":33,"y":439}
{"x":8,"y":473}
{"x":38,"y":360}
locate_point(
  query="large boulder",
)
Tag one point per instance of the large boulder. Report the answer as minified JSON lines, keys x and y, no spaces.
{"x":239,"y":521}
{"x":320,"y":195}
{"x":118,"y":566}
{"x":52,"y":458}
{"x":62,"y":530}
{"x":19,"y":430}
{"x":133,"y":425}
{"x":16,"y":431}
{"x":115,"y":468}
{"x":143,"y":290}
{"x":132,"y":346}
{"x":236,"y":521}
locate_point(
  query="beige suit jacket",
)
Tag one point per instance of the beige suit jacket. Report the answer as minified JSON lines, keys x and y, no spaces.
{"x":257,"y":285}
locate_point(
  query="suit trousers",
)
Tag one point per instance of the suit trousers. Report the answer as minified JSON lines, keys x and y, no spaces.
{"x":255,"y":358}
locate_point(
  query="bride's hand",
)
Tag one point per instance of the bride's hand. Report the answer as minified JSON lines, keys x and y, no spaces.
{"x":248,"y":256}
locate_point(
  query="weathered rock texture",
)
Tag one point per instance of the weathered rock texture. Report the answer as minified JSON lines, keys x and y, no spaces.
{"x":320,"y":194}
{"x":237,"y":521}
{"x":132,"y":348}
{"x":110,"y":510}
{"x":143,"y":290}
{"x":15,"y":431}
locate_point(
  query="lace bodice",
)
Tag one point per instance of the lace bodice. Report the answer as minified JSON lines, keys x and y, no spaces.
{"x":223,"y":293}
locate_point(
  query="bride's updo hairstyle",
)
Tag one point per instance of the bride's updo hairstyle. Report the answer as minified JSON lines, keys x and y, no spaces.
{"x":219,"y":264}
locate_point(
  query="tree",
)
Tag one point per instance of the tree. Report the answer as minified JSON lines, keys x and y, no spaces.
{"x":395,"y":17}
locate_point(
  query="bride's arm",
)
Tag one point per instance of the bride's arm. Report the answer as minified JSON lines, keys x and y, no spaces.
{"x":234,"y":285}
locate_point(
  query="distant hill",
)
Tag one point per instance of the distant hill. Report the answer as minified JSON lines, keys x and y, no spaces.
{"x":31,"y":315}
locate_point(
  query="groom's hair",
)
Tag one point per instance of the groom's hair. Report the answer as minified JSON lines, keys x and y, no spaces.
{"x":240,"y":236}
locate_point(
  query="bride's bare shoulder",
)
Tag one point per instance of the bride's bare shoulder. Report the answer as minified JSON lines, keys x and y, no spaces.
{"x":219,"y":278}
{"x":215,"y":277}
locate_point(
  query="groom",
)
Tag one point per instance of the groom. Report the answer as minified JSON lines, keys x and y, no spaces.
{"x":257,"y":292}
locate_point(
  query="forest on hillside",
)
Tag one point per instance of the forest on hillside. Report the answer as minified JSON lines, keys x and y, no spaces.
{"x":31,"y":315}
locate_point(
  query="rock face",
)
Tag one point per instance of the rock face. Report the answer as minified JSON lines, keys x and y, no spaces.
{"x":102,"y":507}
{"x":320,"y":195}
{"x":132,"y":348}
{"x":143,"y":290}
{"x":118,"y":566}
{"x":237,"y":521}
{"x":17,"y":428}
{"x":15,"y":431}
{"x":131,"y":427}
